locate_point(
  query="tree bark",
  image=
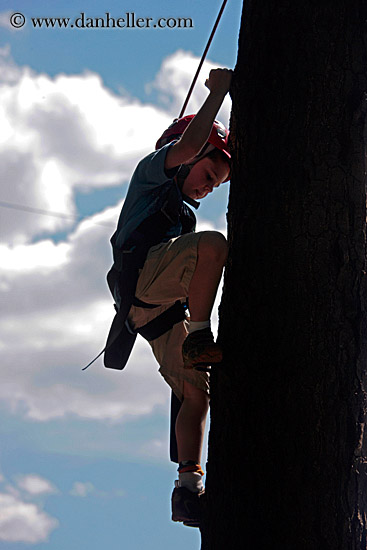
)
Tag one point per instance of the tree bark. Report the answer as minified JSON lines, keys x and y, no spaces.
{"x":287,"y":452}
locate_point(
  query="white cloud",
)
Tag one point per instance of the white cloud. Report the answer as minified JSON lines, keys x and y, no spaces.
{"x":23,"y":521}
{"x":35,"y":485}
{"x":42,"y":256}
{"x":55,"y":322}
{"x":5,"y":20}
{"x":174,"y":80}
{"x":82,"y":489}
{"x":53,"y":140}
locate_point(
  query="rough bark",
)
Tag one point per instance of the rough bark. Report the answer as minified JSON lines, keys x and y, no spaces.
{"x":287,"y":452}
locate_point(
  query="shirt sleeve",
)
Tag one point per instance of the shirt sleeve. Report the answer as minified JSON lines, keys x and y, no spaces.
{"x":151,"y":169}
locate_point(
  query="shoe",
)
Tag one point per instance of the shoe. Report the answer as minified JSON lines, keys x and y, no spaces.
{"x":186,"y":506}
{"x":199,"y":350}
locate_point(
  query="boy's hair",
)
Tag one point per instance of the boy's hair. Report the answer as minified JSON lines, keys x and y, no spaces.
{"x":216,"y":154}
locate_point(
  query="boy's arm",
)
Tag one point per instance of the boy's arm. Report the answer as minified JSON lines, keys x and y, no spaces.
{"x":198,"y":131}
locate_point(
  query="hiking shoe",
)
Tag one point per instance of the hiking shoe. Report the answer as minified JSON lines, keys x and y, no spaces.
{"x":199,"y":350}
{"x":186,"y":506}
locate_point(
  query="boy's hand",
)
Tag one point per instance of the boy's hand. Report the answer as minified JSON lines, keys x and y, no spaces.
{"x":219,"y":81}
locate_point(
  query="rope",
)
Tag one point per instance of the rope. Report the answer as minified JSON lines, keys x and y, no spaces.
{"x":32,"y":210}
{"x":203,"y":58}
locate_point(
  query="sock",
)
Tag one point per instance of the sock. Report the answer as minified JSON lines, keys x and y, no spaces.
{"x":198,"y":325}
{"x":191,"y":480}
{"x":189,"y":476}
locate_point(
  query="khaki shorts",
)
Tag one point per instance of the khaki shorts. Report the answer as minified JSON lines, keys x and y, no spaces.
{"x":164,"y":279}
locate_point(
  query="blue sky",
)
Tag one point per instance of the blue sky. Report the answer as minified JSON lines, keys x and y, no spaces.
{"x":84,"y":455}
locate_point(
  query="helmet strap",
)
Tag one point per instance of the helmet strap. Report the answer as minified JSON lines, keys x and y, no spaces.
{"x":182,"y":174}
{"x":185,"y":169}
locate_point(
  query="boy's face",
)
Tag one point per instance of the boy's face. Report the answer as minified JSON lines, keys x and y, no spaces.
{"x":204,"y":176}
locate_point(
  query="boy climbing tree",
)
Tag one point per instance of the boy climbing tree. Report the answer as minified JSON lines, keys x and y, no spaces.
{"x":161,"y":264}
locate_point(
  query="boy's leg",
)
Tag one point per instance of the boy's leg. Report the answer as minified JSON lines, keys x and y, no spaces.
{"x":190,"y":423}
{"x":188,"y":266}
{"x":212,"y":256}
{"x":166,"y":277}
{"x":199,"y":349}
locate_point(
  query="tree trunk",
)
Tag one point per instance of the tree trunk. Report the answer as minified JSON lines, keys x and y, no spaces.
{"x":287,"y":452}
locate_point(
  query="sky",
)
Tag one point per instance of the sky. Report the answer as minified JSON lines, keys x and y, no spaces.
{"x":84,"y":458}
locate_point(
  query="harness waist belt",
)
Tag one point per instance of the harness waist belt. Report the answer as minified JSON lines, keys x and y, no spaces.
{"x":164,"y":322}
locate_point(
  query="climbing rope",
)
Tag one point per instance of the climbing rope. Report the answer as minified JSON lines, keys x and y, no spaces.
{"x":203,"y":58}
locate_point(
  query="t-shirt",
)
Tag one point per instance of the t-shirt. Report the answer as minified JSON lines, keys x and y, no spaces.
{"x":146,"y":195}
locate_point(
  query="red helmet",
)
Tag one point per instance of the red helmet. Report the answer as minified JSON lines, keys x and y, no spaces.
{"x":218,"y":136}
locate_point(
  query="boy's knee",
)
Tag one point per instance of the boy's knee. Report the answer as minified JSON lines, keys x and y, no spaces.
{"x":195,"y":395}
{"x":214,"y":245}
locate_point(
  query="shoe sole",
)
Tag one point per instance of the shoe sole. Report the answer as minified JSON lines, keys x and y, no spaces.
{"x":187,"y":522}
{"x":202,"y":361}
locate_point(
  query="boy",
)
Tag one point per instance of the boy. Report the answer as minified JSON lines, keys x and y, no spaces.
{"x":160,"y":262}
